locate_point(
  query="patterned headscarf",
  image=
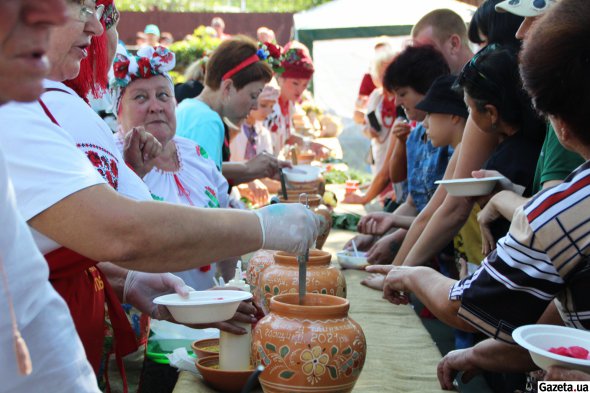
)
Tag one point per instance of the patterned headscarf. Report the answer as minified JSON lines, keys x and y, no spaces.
{"x":149,"y":62}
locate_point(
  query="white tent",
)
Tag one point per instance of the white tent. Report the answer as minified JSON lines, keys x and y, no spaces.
{"x":341,"y":35}
{"x":347,"y":14}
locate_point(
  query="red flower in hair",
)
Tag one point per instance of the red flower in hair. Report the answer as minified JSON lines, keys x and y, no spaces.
{"x":121,"y":67}
{"x":273,"y":50}
{"x":144,"y":67}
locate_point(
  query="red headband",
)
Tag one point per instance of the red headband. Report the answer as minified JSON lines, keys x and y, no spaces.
{"x":250,"y":60}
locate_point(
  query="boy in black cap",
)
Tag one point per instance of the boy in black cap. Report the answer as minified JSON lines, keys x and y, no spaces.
{"x":446,"y":113}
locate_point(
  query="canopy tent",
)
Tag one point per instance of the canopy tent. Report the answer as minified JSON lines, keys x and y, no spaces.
{"x":368,"y":18}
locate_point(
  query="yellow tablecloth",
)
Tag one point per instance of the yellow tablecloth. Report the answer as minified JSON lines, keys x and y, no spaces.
{"x":401,"y":356}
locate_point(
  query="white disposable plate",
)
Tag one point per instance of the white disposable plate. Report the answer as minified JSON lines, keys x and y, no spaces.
{"x":470,"y":186}
{"x":203,"y":306}
{"x":538,"y":339}
{"x":302,"y":173}
{"x":348,"y":260}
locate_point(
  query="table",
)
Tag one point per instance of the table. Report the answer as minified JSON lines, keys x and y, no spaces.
{"x":401,"y":356}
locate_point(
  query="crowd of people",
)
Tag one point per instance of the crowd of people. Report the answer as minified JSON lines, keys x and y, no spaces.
{"x":99,"y":219}
{"x":483,"y":265}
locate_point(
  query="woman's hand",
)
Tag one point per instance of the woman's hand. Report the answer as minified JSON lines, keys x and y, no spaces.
{"x":485,"y":218}
{"x":263,"y":165}
{"x":354,"y":199}
{"x":394,"y":288}
{"x":362,"y":242}
{"x":384,"y":249}
{"x":244,"y":314}
{"x":140,"y":149}
{"x":256,"y":192}
{"x":453,"y":363}
{"x":142,"y":288}
{"x":401,"y":129}
{"x":376,"y":223}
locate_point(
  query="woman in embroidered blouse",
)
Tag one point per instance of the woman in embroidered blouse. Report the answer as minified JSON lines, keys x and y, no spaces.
{"x":78,"y":218}
{"x":183,"y":173}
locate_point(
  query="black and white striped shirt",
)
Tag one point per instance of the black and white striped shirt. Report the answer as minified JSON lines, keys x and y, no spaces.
{"x":543,"y":257}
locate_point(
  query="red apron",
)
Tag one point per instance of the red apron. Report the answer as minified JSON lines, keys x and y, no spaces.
{"x":86,"y":290}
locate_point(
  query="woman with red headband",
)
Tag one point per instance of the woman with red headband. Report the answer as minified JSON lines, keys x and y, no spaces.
{"x":294,"y":74}
{"x":236,"y":74}
{"x":67,"y":173}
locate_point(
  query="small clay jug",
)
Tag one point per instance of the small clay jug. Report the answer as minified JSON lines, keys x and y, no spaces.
{"x":283,"y":277}
{"x":313,"y":347}
{"x":315,"y":204}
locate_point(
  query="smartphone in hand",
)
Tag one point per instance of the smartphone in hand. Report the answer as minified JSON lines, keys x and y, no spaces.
{"x":372,"y":117}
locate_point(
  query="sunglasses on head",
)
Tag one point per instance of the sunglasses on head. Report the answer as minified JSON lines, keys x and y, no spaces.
{"x":472,"y":74}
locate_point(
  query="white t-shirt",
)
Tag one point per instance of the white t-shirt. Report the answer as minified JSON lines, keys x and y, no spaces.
{"x":92,"y":135}
{"x":263,"y":142}
{"x":197,"y":183}
{"x":42,"y":316}
{"x":43,"y":161}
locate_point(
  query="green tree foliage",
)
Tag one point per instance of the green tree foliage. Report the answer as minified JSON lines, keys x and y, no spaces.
{"x":219,"y":5}
{"x":191,"y":49}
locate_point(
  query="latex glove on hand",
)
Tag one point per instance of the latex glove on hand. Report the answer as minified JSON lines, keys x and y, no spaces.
{"x":140,"y":149}
{"x":288,"y":227}
{"x":142,"y":288}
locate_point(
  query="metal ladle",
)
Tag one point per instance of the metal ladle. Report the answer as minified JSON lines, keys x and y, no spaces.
{"x":303,"y":259}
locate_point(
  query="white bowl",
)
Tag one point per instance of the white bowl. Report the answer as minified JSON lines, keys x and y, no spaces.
{"x":538,"y":339}
{"x":203,"y":306}
{"x":348,"y":260}
{"x":302,"y":173}
{"x":470,"y":186}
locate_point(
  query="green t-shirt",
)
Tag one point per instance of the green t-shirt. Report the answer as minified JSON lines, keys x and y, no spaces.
{"x":555,"y":162}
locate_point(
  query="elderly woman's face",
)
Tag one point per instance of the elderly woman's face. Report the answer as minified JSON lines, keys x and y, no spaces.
{"x":24,"y":42}
{"x":68,"y":44}
{"x":149,"y":103}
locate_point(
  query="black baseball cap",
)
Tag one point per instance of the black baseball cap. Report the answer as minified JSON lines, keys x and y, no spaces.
{"x":442,"y":98}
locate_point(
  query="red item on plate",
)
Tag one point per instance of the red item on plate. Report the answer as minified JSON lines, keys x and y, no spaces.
{"x":574,"y":351}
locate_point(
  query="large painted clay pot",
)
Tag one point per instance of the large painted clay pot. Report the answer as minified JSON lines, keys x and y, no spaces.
{"x":283,"y":277}
{"x":316,"y":206}
{"x":314,"y":347}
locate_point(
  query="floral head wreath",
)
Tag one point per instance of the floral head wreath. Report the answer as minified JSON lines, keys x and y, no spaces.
{"x":147,"y":63}
{"x":111,"y":16}
{"x":272,"y":54}
{"x":296,"y":63}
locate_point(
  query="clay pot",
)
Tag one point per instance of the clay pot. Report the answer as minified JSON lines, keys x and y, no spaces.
{"x":259,"y":261}
{"x":319,"y":209}
{"x":283,"y":277}
{"x":222,"y":380}
{"x":314,"y":347}
{"x":305,"y":157}
{"x":203,"y":348}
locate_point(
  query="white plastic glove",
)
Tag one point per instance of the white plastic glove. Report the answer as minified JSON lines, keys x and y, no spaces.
{"x":142,"y":288}
{"x":288,"y":227}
